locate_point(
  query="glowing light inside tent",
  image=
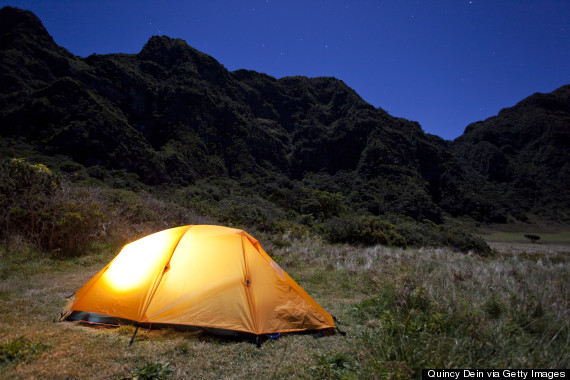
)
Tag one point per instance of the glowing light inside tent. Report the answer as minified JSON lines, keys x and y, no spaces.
{"x":137,"y":262}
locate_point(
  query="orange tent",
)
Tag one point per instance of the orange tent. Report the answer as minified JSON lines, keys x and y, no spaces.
{"x":199,"y":275}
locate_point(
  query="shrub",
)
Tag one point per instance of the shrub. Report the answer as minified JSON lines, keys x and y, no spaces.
{"x":429,"y":234}
{"x":397,"y":231}
{"x":252,"y":211}
{"x":38,"y":205}
{"x":152,"y":370}
{"x":75,"y":223}
{"x":20,"y":349}
{"x":322,"y":204}
{"x":463,"y":241}
{"x":367,"y":230}
{"x":333,"y":366}
{"x":341,"y":230}
{"x":63,"y":219}
{"x":27,"y":196}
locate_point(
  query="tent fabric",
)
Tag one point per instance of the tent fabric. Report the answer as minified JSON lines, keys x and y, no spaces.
{"x":201,"y":275}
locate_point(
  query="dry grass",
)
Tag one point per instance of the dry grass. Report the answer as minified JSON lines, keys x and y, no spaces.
{"x":551,"y":246}
{"x":466,"y":290}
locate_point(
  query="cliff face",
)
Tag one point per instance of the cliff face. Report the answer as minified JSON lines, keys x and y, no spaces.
{"x":524,"y":152}
{"x":172,"y":114}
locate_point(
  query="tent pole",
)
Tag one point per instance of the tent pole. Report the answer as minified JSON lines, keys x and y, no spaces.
{"x":133,"y":337}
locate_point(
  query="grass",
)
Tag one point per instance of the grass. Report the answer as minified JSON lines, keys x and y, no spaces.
{"x":519,"y":237}
{"x":551,"y":246}
{"x":403,"y":310}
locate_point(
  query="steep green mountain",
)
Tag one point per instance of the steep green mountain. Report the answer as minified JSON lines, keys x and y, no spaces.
{"x":173,"y":115}
{"x":522,"y":155}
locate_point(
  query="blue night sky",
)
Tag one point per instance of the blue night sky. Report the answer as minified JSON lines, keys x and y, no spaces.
{"x":442,"y":63}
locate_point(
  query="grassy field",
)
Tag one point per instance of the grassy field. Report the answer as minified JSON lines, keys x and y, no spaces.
{"x":403,"y":310}
{"x":519,"y":237}
{"x":554,"y":244}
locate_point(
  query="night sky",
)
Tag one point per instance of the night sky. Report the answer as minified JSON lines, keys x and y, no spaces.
{"x":444,"y":64}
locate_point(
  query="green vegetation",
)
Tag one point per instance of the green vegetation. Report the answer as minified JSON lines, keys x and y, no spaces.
{"x":65,"y":217}
{"x":404,"y":305}
{"x":413,"y":329}
{"x":360,"y":207}
{"x":20,"y":350}
{"x":172,"y":115}
{"x":152,"y":371}
{"x":402,"y":309}
{"x":519,"y":157}
{"x":40,"y":208}
{"x":397,"y":231}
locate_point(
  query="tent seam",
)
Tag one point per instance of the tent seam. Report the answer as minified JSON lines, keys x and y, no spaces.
{"x":250,"y":299}
{"x":143,"y":314}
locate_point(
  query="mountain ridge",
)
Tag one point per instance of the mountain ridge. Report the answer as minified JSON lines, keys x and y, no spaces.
{"x":525,"y":148}
{"x":174,"y":115}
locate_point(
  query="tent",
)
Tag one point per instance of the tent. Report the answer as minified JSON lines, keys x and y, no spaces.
{"x":200,"y":275}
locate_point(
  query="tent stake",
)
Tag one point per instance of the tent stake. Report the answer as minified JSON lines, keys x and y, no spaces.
{"x":133,"y":337}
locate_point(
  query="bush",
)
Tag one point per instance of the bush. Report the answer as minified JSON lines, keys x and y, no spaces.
{"x":400,"y":231}
{"x":367,"y":230}
{"x":41,"y":208}
{"x":63,"y":220}
{"x":20,"y":349}
{"x":27,"y":196}
{"x":152,"y":370}
{"x":337,"y":366}
{"x":429,"y":234}
{"x":252,"y":211}
{"x":77,"y":221}
{"x":463,"y":240}
{"x":322,"y":204}
{"x":341,"y":230}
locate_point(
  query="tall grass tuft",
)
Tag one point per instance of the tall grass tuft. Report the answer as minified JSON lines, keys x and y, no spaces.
{"x":435,"y":308}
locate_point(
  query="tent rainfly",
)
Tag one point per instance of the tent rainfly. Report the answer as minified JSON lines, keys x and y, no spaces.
{"x":205,"y":276}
